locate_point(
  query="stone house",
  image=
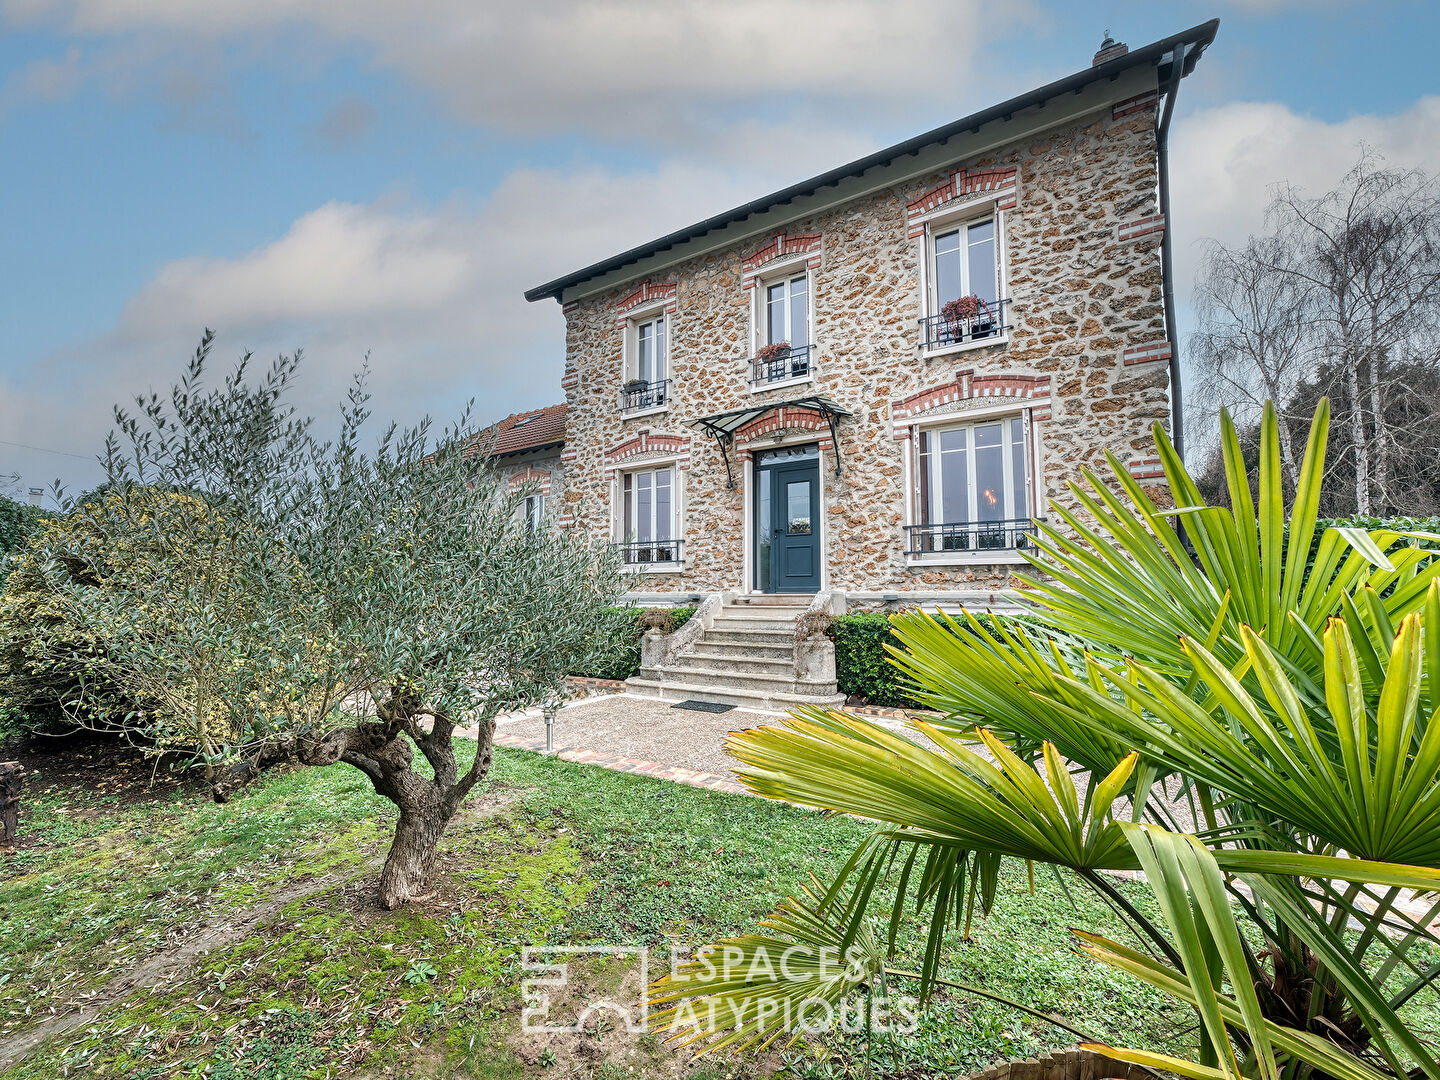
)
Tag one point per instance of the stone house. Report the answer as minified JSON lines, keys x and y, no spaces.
{"x":525,"y":448}
{"x":865,"y":387}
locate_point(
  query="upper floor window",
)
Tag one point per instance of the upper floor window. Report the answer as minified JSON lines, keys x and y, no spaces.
{"x":533,"y":511}
{"x":787,"y":312}
{"x":972,"y":484}
{"x":647,"y":364}
{"x":650,"y":349}
{"x":783,"y":330}
{"x":964,"y":296}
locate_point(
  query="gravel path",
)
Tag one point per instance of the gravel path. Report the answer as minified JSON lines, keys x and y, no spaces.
{"x":643,"y":728}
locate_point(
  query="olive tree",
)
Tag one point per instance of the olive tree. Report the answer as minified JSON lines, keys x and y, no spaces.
{"x":381,"y":595}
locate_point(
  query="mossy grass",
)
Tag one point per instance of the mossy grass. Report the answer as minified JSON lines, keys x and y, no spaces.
{"x":549,"y":852}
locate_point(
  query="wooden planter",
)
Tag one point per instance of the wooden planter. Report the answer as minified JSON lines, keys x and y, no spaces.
{"x":1071,"y":1064}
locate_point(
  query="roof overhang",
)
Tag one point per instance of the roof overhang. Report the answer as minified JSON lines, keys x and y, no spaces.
{"x":528,"y":449}
{"x":961,"y":138}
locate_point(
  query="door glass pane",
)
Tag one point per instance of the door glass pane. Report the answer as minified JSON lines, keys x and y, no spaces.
{"x":775,"y":318}
{"x":659,"y":348}
{"x":663,"y":517}
{"x":797,"y":506}
{"x":982,"y":260}
{"x":799,"y":313}
{"x":948,"y":283}
{"x":762,"y":532}
{"x":989,"y":472}
{"x":1017,"y":508}
{"x":807,"y":452}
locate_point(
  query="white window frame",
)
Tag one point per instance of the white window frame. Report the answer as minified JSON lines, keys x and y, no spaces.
{"x":630,"y":352}
{"x":532,"y":511}
{"x":946,"y":220}
{"x":915,"y":497}
{"x":786,"y":270}
{"x":620,"y":524}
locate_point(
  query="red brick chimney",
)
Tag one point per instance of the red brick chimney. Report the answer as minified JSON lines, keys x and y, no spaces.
{"x":1109,"y":50}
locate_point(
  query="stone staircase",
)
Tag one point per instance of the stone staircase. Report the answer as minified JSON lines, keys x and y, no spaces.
{"x":742,"y":652}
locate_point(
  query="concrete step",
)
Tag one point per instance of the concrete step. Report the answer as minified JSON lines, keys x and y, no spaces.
{"x":782,"y":667}
{"x":744,"y":697}
{"x":719,"y":650}
{"x":691,"y":670}
{"x":773,"y":600}
{"x":737,"y":635}
{"x":753,"y":618}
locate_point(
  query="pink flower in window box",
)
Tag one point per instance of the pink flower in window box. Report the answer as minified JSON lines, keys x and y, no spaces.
{"x":964,"y":309}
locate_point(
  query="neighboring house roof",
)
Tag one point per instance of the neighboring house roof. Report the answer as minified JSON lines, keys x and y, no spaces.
{"x":1189,"y":44}
{"x":521,"y":432}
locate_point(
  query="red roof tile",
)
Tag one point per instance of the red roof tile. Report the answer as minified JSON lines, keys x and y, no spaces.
{"x":521,"y":431}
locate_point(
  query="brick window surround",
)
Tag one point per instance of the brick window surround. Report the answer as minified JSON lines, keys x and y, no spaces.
{"x":644,"y":447}
{"x":964,"y":185}
{"x":1030,"y":392}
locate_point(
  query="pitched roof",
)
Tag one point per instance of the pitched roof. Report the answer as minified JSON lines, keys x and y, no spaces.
{"x":521,"y":432}
{"x":1188,"y":44}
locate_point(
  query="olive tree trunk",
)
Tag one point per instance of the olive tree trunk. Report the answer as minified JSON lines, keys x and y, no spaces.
{"x":384,"y":750}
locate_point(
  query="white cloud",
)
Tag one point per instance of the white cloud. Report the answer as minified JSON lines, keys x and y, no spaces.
{"x":615,"y":67}
{"x":434,"y":295}
{"x":1225,"y":162}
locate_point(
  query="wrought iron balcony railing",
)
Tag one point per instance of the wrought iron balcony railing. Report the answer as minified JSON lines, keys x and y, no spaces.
{"x":1009,"y":534}
{"x":644,"y":395}
{"x":938,"y":331}
{"x":793,"y":363}
{"x":639,"y":553}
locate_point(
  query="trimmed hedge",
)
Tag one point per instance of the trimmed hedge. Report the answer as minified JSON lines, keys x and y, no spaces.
{"x":631,"y":623}
{"x":862,"y":666}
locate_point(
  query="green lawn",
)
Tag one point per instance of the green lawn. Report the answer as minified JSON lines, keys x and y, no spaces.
{"x":557,"y":853}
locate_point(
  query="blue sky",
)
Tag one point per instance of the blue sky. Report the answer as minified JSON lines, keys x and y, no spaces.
{"x":385,"y":178}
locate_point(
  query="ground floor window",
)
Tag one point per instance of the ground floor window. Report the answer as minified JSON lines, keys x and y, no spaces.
{"x":647,"y":523}
{"x":972,"y":487}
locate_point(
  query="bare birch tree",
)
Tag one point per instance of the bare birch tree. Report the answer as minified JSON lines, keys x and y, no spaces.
{"x":1340,"y":297}
{"x":1367,"y":258}
{"x":1251,"y":342}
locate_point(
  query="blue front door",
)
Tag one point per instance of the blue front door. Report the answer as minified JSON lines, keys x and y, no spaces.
{"x":787,"y":523}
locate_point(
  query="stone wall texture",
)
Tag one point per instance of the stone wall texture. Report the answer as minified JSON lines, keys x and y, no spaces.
{"x":1087,"y":357}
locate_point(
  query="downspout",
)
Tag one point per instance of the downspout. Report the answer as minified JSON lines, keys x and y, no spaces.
{"x":1167,"y":260}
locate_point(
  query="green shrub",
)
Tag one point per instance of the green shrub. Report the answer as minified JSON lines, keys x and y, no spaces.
{"x":862,"y":666}
{"x":632,"y":622}
{"x":17,"y":522}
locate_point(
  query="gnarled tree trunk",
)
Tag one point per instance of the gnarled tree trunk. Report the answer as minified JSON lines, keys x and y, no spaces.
{"x":411,"y":862}
{"x":383,"y":750}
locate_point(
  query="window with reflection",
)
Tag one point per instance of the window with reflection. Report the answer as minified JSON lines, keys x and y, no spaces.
{"x":972,"y":482}
{"x":648,"y":509}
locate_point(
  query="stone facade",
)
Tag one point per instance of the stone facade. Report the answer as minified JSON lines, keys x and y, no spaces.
{"x":1085,"y":360}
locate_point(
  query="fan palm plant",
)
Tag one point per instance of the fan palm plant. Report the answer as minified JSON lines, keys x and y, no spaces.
{"x":1285,"y":688}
